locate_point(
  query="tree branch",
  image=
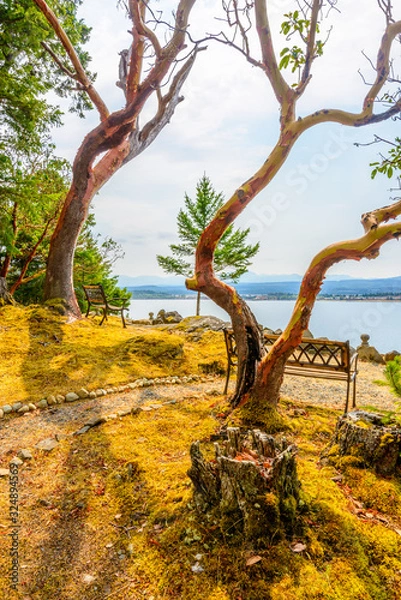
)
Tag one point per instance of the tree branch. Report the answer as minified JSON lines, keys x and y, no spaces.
{"x":81,"y":75}
{"x":310,"y":47}
{"x":278,"y":83}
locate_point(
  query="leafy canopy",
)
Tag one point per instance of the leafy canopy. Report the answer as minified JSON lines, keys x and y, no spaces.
{"x":233,"y":254}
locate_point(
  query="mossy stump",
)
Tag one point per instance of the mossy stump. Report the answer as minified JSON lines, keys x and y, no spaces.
{"x":251,"y":486}
{"x":364,"y":438}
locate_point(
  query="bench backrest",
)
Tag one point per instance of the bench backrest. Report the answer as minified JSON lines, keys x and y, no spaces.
{"x":315,"y":352}
{"x":311,"y":352}
{"x":95,"y":294}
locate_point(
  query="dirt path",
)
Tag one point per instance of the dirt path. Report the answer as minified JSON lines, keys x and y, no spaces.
{"x":65,"y":419}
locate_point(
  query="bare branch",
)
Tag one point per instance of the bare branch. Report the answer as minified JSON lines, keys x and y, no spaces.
{"x":81,"y":75}
{"x":140,"y":140}
{"x":310,"y":47}
{"x":58,"y":61}
{"x":278,"y":83}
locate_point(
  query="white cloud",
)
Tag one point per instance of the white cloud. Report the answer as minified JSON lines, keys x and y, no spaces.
{"x":226,"y":126}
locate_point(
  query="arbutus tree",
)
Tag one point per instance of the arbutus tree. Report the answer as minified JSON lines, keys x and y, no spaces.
{"x":154,"y":66}
{"x":260,"y":374}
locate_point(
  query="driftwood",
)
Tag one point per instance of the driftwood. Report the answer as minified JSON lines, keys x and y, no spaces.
{"x":252,"y":483}
{"x":5,"y":296}
{"x":363,"y":437}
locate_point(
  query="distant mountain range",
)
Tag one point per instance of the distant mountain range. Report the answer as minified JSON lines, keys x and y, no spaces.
{"x":273,"y":286}
{"x":177,"y":280}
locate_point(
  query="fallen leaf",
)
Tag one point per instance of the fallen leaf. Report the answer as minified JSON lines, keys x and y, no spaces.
{"x":253,"y":560}
{"x":298,"y":547}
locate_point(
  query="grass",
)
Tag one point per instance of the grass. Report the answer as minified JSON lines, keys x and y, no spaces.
{"x":110,"y":514}
{"x":41,"y":355}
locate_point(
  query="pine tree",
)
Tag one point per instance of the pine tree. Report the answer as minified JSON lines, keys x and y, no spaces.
{"x":232,"y":256}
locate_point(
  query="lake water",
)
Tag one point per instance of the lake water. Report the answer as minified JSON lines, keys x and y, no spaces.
{"x":336,"y":320}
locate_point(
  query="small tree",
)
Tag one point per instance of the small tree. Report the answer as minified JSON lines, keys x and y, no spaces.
{"x":232,"y":255}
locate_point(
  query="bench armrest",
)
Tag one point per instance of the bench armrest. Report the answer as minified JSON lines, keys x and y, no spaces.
{"x":354,"y":359}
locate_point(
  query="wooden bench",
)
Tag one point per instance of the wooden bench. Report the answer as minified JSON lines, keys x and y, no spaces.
{"x":96,"y":297}
{"x":318,"y":358}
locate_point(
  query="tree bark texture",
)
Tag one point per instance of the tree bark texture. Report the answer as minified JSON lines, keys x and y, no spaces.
{"x":252,"y":484}
{"x":370,"y":444}
{"x":5,"y":296}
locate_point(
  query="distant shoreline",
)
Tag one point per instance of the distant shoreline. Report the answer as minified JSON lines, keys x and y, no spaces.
{"x":263,"y":298}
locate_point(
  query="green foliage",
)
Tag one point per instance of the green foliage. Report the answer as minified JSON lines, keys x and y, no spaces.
{"x":393,"y":374}
{"x":94,"y":260}
{"x":28,"y":71}
{"x":294,"y":56}
{"x":33,"y":184}
{"x":390,"y":164}
{"x":232,"y":256}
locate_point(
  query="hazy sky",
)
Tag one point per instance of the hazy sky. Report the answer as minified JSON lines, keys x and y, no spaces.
{"x":226,"y":127}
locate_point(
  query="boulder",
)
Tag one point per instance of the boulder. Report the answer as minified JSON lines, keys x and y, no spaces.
{"x":71,"y":397}
{"x":368,"y":353}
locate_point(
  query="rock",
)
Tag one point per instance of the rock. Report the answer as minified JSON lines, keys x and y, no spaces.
{"x":83,"y":429}
{"x":111,"y":417}
{"x":1,"y":413}
{"x":71,"y":397}
{"x":7,"y":409}
{"x":24,"y":454}
{"x":391,"y":355}
{"x":168,"y":317}
{"x":83,"y":393}
{"x":24,"y":409}
{"x":42,"y":403}
{"x":88,"y":579}
{"x":124,"y":413}
{"x":32,"y":406}
{"x":16,"y":406}
{"x":51,"y":400}
{"x":16,"y":461}
{"x":4,"y":472}
{"x":47,"y":445}
{"x":104,"y":392}
{"x":92,"y":394}
{"x":368,"y":353}
{"x":97,"y":420}
{"x":193,"y":324}
{"x":133,"y":385}
{"x":136,"y":410}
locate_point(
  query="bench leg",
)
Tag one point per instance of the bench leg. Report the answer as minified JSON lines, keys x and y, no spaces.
{"x":347,"y":398}
{"x":354,"y":393}
{"x":104,"y":316}
{"x":227,"y":380}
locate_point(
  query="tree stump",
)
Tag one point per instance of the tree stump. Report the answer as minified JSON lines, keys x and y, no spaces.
{"x":5,"y":296}
{"x":368,"y":442}
{"x":252,"y":483}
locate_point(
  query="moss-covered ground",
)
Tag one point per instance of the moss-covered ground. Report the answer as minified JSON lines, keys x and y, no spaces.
{"x":110,"y":515}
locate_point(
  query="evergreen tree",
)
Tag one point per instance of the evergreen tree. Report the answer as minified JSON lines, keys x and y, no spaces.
{"x":232,"y":256}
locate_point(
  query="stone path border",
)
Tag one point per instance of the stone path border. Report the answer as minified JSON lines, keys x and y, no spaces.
{"x":22,"y":408}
